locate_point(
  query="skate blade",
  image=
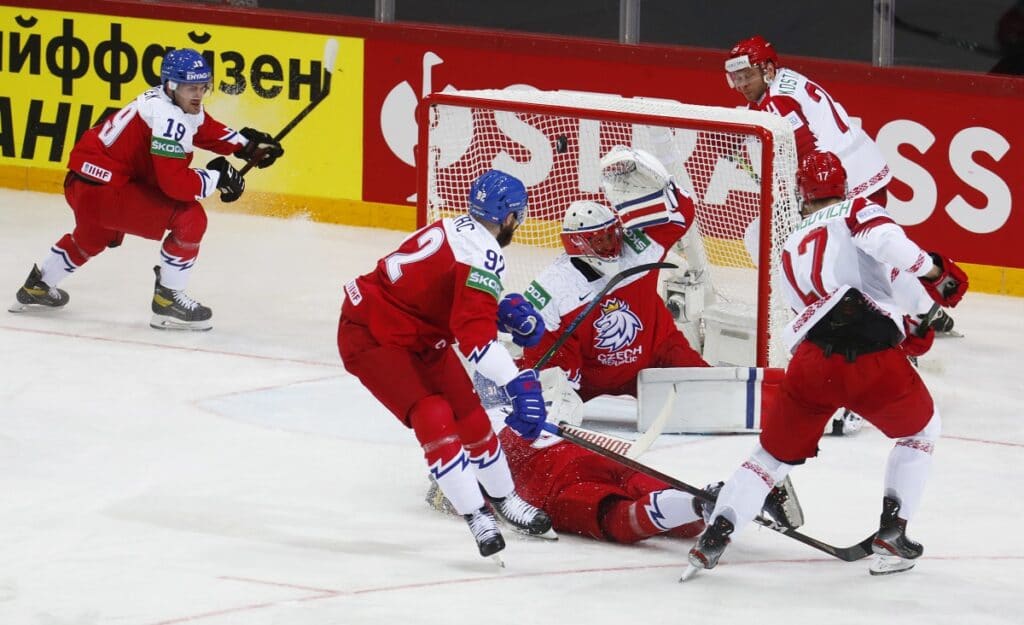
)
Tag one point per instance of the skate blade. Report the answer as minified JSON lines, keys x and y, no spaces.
{"x":161,"y":322}
{"x":888,"y":565}
{"x":496,"y":558}
{"x":18,"y":307}
{"x":548,"y":535}
{"x":690,"y":572}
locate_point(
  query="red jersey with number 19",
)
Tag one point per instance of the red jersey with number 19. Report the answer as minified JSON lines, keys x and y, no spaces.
{"x":151,"y":140}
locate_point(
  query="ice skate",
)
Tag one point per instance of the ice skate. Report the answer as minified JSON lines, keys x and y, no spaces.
{"x":514,"y":511}
{"x":896,"y":552}
{"x":174,"y":310}
{"x":709,"y":548}
{"x":37,"y":294}
{"x":485,"y":530}
{"x":782,"y":506}
{"x":703,"y":507}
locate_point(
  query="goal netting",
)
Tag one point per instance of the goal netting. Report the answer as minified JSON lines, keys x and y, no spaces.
{"x":739,"y":166}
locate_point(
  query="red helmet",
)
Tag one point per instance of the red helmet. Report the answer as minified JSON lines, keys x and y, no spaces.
{"x":821,"y":175}
{"x":751,"y":53}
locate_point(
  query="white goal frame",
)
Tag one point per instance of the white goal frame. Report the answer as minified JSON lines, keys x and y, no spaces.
{"x":768,"y":159}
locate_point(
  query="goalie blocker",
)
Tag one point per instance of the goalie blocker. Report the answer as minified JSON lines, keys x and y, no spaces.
{"x":714,"y":400}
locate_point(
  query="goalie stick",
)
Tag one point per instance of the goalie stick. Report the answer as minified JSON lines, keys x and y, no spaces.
{"x":330,"y":55}
{"x":846,"y":554}
{"x":575,"y":323}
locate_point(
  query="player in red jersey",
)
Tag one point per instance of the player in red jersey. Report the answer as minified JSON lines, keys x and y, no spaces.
{"x":850,"y":340}
{"x":399,"y":325}
{"x":131,"y":174}
{"x":585,"y":493}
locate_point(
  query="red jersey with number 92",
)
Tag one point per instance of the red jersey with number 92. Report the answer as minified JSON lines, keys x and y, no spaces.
{"x":440,"y":286}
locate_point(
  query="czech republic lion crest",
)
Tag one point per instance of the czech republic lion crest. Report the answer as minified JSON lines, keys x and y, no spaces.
{"x":617,"y":326}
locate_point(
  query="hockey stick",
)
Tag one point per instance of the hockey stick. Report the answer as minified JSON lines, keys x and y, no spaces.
{"x":643,"y":443}
{"x":846,"y":554}
{"x":330,"y":55}
{"x":965,"y":44}
{"x":629,"y":449}
{"x":612,"y":283}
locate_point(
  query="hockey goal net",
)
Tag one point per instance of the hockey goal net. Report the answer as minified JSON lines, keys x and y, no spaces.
{"x":739,"y":166}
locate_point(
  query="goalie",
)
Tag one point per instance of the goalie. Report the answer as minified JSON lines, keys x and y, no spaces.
{"x":585,"y":493}
{"x":631,"y":329}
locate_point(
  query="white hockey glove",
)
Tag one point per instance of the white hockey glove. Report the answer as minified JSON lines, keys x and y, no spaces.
{"x":638,"y":187}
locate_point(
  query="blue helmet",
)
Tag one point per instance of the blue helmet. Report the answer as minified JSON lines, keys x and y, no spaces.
{"x":494,"y":195}
{"x":185,"y":67}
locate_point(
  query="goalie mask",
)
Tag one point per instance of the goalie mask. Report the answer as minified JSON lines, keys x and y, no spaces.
{"x":593,"y":233}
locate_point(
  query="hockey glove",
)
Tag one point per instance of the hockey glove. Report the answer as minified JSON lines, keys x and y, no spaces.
{"x":230,"y":183}
{"x":919,"y":337}
{"x":638,"y":187}
{"x":262,"y":150}
{"x":519,"y":318}
{"x":949,"y":287}
{"x":528,"y":414}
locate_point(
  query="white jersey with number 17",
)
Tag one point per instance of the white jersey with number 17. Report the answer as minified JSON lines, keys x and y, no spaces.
{"x":850,"y":245}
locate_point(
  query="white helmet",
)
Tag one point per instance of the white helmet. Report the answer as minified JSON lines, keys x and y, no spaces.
{"x":593,"y":233}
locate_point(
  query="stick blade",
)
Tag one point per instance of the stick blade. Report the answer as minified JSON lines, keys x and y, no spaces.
{"x":330,"y":54}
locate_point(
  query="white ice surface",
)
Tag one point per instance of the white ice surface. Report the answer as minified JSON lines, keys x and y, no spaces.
{"x":240,"y":476}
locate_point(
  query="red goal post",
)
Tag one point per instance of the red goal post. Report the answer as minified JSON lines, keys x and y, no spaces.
{"x":739,"y":165}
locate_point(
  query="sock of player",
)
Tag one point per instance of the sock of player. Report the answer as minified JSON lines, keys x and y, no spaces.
{"x":485,"y":454}
{"x":908,"y":467}
{"x":434,"y":424}
{"x":176,"y":261}
{"x":658,"y":512}
{"x":742,"y":497}
{"x":64,"y":257}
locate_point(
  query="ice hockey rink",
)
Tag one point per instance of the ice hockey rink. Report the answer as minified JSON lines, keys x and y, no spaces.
{"x":241,"y":476}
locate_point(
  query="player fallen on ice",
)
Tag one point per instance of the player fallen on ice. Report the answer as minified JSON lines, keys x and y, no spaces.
{"x":585,"y":493}
{"x":131,"y":174}
{"x":398,"y":330}
{"x":850,"y":340}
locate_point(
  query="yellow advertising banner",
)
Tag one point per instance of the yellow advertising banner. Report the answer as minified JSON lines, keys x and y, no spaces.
{"x":60,"y":73}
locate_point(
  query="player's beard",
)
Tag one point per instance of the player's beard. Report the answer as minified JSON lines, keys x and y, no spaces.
{"x":505,"y":234}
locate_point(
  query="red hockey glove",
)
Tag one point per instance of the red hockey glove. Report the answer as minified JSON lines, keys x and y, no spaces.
{"x":951,"y":284}
{"x":919,"y":339}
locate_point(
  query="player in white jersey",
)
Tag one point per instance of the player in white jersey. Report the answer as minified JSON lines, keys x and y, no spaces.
{"x":820,"y":123}
{"x":846,"y":339}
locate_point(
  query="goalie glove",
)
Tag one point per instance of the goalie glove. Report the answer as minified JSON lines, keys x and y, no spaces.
{"x":638,"y":186}
{"x":948,"y":288}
